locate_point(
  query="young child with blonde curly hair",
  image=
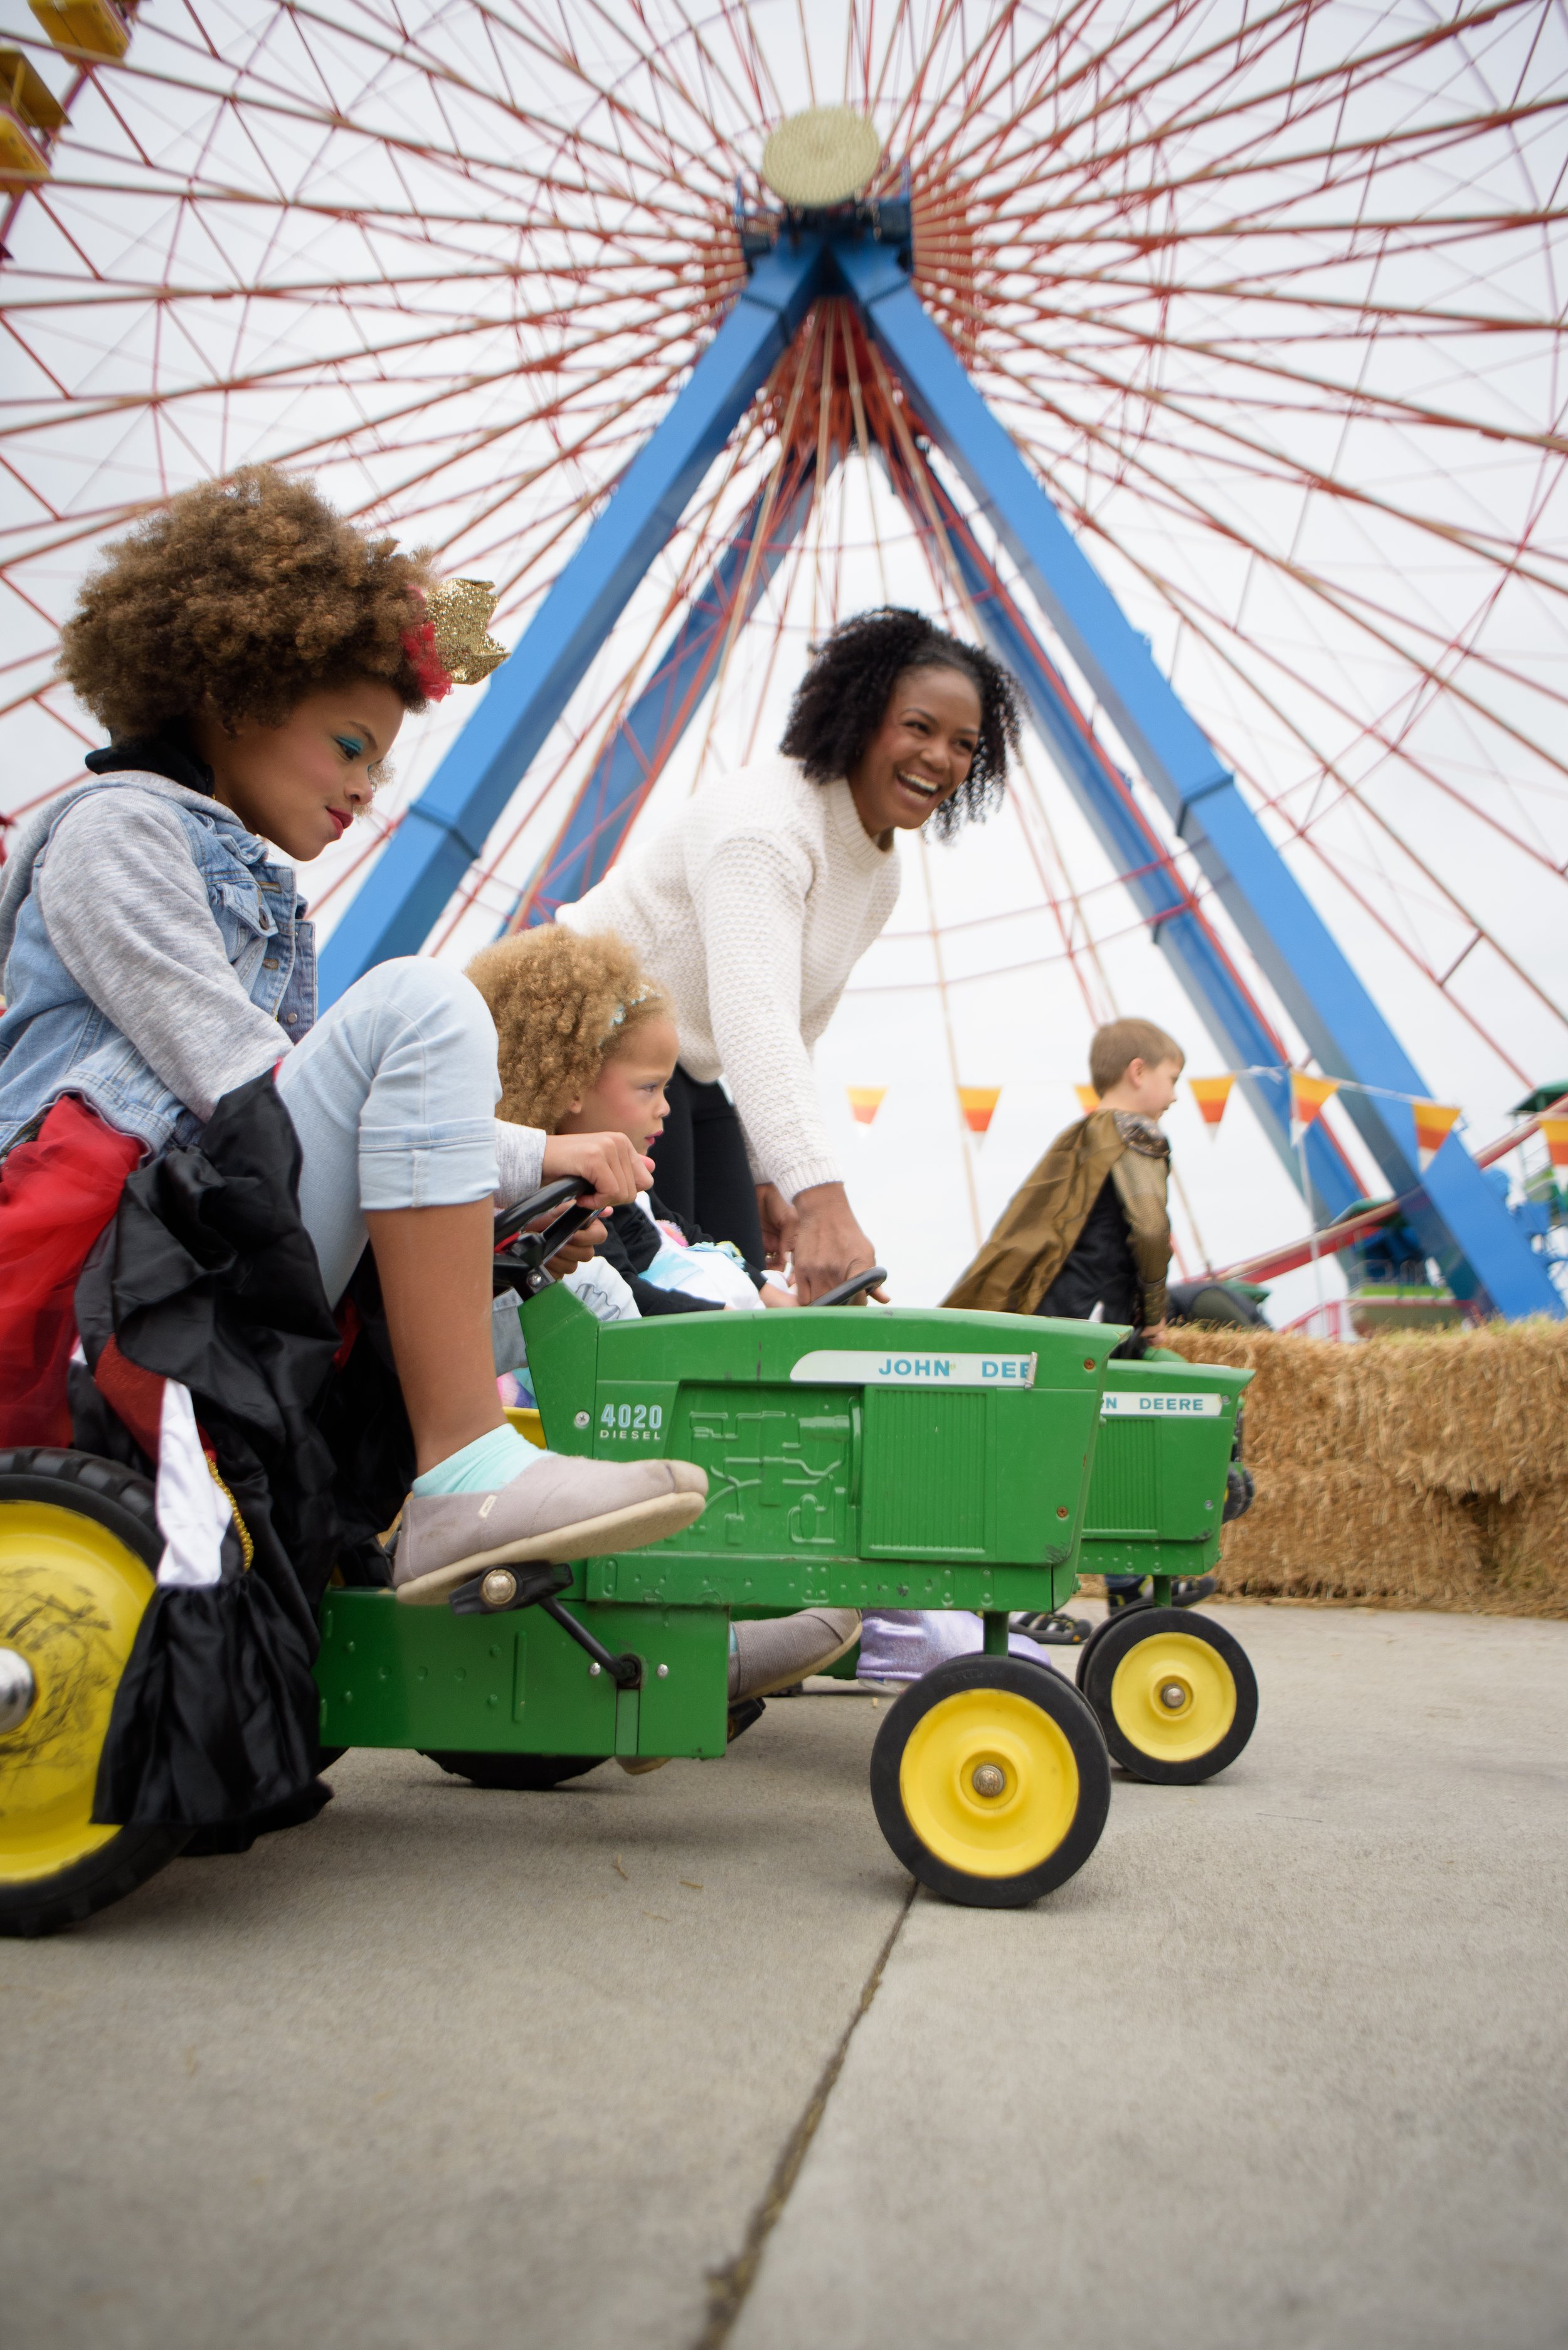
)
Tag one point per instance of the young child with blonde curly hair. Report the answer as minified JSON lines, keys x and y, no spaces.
{"x":586,"y":1044}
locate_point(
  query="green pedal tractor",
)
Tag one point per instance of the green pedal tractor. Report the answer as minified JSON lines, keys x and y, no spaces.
{"x":897,"y":1459}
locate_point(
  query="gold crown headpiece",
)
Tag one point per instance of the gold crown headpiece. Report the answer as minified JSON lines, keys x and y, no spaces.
{"x":458,"y":610}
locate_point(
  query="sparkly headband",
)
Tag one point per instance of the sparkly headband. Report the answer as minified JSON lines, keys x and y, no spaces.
{"x":452,"y":647}
{"x":618,"y":1017}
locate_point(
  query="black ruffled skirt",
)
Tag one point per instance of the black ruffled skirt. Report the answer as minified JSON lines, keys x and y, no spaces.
{"x":207,"y":1277}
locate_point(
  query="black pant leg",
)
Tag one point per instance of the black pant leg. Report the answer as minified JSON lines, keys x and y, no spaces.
{"x":724,"y":1194}
{"x":674,"y":1177}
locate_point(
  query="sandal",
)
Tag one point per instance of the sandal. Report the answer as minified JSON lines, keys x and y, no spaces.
{"x":1054,"y":1630}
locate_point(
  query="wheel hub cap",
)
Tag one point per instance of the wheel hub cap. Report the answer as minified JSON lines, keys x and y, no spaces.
{"x":17,"y":1689}
{"x":988,"y":1782}
{"x":1173,"y":1695}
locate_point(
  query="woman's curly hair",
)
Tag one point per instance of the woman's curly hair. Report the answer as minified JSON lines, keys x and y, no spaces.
{"x":840,"y":702}
{"x":561,"y":1005}
{"x":239,"y":599}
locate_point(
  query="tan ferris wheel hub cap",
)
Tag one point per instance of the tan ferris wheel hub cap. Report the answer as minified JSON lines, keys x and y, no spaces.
{"x":821,"y":157}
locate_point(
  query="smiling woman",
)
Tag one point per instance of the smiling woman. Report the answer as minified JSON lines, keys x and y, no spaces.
{"x":754,"y":907}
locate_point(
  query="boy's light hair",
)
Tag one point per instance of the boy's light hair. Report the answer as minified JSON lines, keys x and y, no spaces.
{"x":1115,"y":1047}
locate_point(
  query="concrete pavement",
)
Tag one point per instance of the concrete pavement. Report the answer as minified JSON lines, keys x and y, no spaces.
{"x":1286,"y":2064}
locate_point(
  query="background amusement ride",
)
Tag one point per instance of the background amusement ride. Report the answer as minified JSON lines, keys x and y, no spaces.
{"x":1205,"y":360}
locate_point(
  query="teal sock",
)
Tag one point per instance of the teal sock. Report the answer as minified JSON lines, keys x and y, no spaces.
{"x":492,"y":1460}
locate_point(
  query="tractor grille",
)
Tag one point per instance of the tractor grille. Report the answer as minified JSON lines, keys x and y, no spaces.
{"x":927,"y":1476}
{"x":1124,"y":1492}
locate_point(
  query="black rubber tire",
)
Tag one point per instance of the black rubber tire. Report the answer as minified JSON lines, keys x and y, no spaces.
{"x":106,"y":1876}
{"x":122,"y":1503}
{"x":525,"y":1772}
{"x":1080,"y":1664}
{"x":1106,"y":1651}
{"x":1055,"y":1695}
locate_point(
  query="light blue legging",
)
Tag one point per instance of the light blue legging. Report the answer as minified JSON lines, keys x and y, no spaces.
{"x":393,"y":1096}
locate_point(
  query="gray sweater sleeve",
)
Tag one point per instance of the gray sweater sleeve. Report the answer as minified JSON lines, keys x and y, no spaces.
{"x":127,"y":913}
{"x":520,"y":1160}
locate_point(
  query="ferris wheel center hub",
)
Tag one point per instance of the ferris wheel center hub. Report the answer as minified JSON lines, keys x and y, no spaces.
{"x":821,"y":157}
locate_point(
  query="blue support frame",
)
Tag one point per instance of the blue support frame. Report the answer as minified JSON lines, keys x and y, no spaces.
{"x":445,"y":830}
{"x":1459,"y":1217}
{"x":605,"y":810}
{"x":1137,"y":854}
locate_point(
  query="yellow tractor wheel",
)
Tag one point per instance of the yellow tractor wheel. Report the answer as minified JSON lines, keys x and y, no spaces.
{"x":991,"y":1780}
{"x":1175,"y":1694}
{"x":79,"y":1551}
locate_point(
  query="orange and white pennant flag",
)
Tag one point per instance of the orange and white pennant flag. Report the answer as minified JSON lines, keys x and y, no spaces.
{"x":1555,"y":1130}
{"x":977,"y":1103}
{"x":1211,"y":1094}
{"x":1308,"y":1096}
{"x":1435,"y":1121}
{"x":865,"y":1102}
{"x":1088,"y":1099}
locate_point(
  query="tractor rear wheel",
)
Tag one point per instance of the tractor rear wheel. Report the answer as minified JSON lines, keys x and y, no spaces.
{"x":517,"y":1771}
{"x":78,"y":1552}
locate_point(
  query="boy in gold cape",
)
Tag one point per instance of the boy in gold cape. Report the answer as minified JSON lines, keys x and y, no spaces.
{"x":1087,"y":1236}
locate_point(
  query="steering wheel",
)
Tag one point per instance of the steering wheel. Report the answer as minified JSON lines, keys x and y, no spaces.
{"x":847,"y":1290}
{"x":521,"y":1257}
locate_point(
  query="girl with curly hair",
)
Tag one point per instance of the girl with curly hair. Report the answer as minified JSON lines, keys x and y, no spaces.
{"x":251,"y":656}
{"x":752,"y":907}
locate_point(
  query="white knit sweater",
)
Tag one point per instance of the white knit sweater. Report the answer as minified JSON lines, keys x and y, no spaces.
{"x":750,"y":908}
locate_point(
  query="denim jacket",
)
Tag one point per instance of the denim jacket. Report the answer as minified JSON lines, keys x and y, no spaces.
{"x":54,"y":1039}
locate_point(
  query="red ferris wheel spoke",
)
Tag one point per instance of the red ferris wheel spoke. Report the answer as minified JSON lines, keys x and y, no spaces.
{"x":1182,"y":601}
{"x":1213,"y":629}
{"x":1269,"y":30}
{"x":1272,"y":299}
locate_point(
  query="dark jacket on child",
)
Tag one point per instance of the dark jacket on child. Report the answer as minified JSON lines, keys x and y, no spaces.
{"x":1089,"y":1226}
{"x":631,"y":1244}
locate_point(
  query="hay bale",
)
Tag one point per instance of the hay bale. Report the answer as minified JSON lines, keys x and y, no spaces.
{"x":1464,"y":1411}
{"x":1527,"y":1543}
{"x":1421,"y":1469}
{"x":1340,"y":1533}
{"x":1301,"y":1407}
{"x":1480,"y":1412}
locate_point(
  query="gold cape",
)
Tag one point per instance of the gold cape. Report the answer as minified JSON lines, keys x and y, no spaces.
{"x":1036,"y":1231}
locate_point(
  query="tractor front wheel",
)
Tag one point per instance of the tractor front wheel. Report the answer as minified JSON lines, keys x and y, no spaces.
{"x":991,"y":1780}
{"x":1174,"y":1694}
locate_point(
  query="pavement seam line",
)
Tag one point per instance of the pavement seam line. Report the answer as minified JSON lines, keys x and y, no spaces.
{"x":728,"y":2287}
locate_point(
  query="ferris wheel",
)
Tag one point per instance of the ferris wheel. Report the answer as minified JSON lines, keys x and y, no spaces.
{"x":1268,"y":301}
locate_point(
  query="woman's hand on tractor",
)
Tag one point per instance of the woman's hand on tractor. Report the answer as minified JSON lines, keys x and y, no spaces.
{"x":829,"y":1245}
{"x":778,"y":1222}
{"x":612,"y":1164}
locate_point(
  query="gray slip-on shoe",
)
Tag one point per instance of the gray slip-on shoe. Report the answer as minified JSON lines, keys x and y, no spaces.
{"x":778,"y":1651}
{"x":562,"y":1507}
